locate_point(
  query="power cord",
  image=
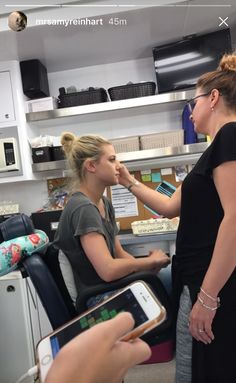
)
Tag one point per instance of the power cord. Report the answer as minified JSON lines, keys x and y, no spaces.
{"x":30,"y":372}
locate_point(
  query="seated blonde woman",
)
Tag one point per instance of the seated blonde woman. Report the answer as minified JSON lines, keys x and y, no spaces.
{"x":87,"y":231}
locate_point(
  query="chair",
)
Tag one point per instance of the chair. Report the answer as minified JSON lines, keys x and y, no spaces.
{"x":45,"y":274}
{"x":50,"y":296}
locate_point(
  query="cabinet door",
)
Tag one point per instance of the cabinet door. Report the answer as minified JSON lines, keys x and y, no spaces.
{"x":7,"y":112}
{"x":16,"y":343}
{"x":40,"y":323}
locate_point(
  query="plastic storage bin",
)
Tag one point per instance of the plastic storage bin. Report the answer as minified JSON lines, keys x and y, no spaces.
{"x":47,"y":221}
{"x":91,"y":96}
{"x":57,"y":153}
{"x":140,"y":89}
{"x":126,"y":144}
{"x":43,"y":154}
{"x":162,"y":140}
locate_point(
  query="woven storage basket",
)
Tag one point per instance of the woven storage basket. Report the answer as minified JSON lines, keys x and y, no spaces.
{"x":132,"y":90}
{"x":92,"y":96}
{"x":127,"y":144}
{"x":162,"y":140}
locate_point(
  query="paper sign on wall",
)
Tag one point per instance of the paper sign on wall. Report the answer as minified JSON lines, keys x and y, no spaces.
{"x":166,"y":171}
{"x":180,"y":173}
{"x":124,"y":202}
{"x":156,"y":177}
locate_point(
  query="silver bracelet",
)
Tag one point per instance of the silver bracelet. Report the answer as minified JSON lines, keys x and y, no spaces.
{"x":134,"y":182}
{"x":206,"y":306}
{"x":217,"y":299}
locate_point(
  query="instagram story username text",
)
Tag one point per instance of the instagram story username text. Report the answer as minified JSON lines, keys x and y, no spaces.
{"x":115,"y":21}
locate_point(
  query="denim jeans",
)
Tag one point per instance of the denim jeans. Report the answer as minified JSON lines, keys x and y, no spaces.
{"x":99,"y":298}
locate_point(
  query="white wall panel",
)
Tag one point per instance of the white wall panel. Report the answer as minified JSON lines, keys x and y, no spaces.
{"x":105,"y":75}
{"x":30,"y":195}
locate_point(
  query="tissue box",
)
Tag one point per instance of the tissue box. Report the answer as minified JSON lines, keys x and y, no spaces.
{"x":41,"y":104}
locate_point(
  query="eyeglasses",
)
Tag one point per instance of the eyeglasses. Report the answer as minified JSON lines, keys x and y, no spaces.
{"x":191,"y":103}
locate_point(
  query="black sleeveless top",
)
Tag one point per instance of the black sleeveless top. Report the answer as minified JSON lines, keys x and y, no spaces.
{"x":200,"y":218}
{"x":201,"y":209}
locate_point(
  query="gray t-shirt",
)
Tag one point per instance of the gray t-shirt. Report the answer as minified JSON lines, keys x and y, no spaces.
{"x":79,"y":217}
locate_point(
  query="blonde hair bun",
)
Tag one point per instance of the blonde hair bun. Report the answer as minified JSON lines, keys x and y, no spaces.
{"x":228,"y":63}
{"x":67,"y":141}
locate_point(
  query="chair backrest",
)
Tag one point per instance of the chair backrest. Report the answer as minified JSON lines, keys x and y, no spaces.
{"x":158,"y":335}
{"x":80,"y":300}
{"x":51,"y":259}
{"x":49,"y":284}
{"x":47,"y":289}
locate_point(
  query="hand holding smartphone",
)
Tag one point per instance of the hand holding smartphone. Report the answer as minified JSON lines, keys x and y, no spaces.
{"x":136,"y":298}
{"x":98,"y":355}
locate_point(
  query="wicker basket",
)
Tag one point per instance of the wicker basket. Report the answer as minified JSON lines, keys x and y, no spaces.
{"x":91,"y":96}
{"x":141,"y":89}
{"x":126,"y":144}
{"x":162,"y":139}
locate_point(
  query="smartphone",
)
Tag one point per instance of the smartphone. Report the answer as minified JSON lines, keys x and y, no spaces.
{"x":166,"y":188}
{"x":137,"y":298}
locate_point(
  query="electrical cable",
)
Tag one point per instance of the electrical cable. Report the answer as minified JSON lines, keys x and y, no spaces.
{"x":30,"y":372}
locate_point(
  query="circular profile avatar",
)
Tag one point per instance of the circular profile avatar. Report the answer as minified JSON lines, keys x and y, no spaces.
{"x":17,"y":21}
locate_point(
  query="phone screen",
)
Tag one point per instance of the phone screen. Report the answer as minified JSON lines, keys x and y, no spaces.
{"x":125,"y":301}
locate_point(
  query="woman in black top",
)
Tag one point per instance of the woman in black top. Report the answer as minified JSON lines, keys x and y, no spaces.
{"x":204,"y":265}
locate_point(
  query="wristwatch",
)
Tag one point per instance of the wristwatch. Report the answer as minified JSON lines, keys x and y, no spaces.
{"x":134,"y":182}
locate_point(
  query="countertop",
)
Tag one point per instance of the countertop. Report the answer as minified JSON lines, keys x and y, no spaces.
{"x":129,"y":238}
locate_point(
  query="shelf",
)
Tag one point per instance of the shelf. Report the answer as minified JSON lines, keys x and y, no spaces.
{"x":144,"y":159}
{"x":163,"y":157}
{"x":51,"y":165}
{"x":110,"y":106}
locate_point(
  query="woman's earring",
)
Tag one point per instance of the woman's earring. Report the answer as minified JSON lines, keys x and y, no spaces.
{"x":212,"y":109}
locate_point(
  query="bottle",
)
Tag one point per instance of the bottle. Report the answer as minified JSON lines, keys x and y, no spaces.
{"x":190,"y":137}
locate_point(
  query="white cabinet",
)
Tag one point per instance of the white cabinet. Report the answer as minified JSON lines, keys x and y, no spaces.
{"x":12,"y":120}
{"x":7,"y":112}
{"x":40,"y":322}
{"x":16,"y":340}
{"x":23,"y":323}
